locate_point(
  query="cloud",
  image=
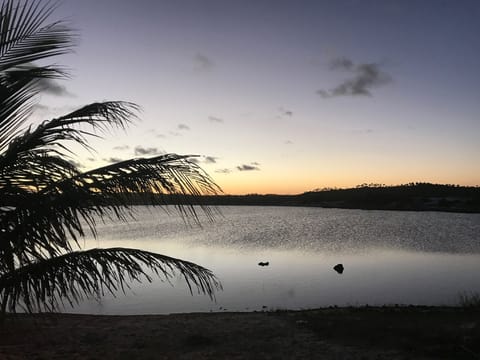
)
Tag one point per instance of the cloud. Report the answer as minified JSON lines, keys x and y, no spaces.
{"x":183,"y":127}
{"x":285,"y":112}
{"x":113,"y":160}
{"x":245,"y":167}
{"x":288,"y":142}
{"x":341,"y":63}
{"x":194,"y":160}
{"x":41,"y":107}
{"x":139,"y":150}
{"x":364,"y":78}
{"x":52,"y":87}
{"x":202,"y":63}
{"x":206,"y":160}
{"x":363,"y":131}
{"x":215,"y":119}
{"x":121,"y":147}
{"x":45,"y":110}
{"x":210,"y":159}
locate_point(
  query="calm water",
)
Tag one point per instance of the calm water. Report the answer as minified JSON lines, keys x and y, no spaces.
{"x":390,"y":257}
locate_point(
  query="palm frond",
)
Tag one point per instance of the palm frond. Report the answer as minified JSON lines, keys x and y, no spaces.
{"x":33,"y":172}
{"x":23,"y":36}
{"x":70,"y":278}
{"x":51,"y":135}
{"x":41,"y":221}
{"x":35,"y":229}
{"x":18,"y":90}
{"x":24,"y":39}
{"x":118,"y":184}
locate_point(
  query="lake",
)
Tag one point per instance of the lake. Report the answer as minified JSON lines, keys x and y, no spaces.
{"x":390,"y":257}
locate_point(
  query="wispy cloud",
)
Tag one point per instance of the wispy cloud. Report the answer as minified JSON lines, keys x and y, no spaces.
{"x":46,"y":110}
{"x":363,"y":131}
{"x":253,"y":166}
{"x":341,"y":63}
{"x":52,"y":87}
{"x":245,"y":167}
{"x":121,"y":147}
{"x":183,"y":127}
{"x":215,"y":119}
{"x":140,"y":150}
{"x":288,"y":142}
{"x":364,"y":78}
{"x":285,"y":112}
{"x":41,"y":107}
{"x":202,"y":63}
{"x":204,"y":159}
{"x":210,"y":159}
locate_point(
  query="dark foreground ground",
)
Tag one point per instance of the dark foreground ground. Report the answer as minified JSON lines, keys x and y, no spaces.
{"x":334,"y":333}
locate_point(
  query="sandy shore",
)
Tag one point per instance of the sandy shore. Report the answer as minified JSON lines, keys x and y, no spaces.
{"x":339,"y":333}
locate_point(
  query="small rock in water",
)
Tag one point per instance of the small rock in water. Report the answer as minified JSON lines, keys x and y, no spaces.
{"x":263,"y":263}
{"x":338,"y":268}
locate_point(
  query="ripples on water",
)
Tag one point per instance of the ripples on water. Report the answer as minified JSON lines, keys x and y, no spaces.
{"x":309,"y":229}
{"x":389,"y":257}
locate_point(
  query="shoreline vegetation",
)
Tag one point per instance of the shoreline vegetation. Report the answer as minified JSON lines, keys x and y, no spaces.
{"x":407,"y":197}
{"x":389,"y":332}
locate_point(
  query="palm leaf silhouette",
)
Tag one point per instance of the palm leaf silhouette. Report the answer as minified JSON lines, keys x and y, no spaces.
{"x":48,"y":284}
{"x":46,"y":201}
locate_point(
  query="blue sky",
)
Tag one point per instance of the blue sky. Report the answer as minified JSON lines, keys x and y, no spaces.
{"x":285,"y":96}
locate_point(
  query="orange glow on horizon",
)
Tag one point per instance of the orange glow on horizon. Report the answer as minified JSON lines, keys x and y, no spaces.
{"x":279,"y":188}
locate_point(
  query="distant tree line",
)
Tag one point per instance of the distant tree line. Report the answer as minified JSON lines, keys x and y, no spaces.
{"x":411,"y":196}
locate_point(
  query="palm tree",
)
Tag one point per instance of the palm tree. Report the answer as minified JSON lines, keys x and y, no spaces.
{"x":47,"y":204}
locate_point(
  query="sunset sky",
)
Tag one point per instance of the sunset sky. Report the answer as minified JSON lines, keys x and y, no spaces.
{"x":284,"y":96}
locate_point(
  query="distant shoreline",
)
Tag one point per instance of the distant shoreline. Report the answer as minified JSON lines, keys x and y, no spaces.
{"x":409,"y":197}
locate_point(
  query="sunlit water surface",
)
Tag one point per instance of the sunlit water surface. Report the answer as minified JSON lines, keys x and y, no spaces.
{"x":390,"y":257}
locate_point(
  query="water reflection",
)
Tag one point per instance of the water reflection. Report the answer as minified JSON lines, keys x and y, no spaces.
{"x":389,"y":258}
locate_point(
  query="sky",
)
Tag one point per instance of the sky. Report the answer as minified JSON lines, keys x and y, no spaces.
{"x":283,"y":96}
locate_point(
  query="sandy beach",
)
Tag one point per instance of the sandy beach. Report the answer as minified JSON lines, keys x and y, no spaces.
{"x":331,"y":333}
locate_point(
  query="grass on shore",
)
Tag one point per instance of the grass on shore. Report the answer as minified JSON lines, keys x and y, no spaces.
{"x":403,"y":332}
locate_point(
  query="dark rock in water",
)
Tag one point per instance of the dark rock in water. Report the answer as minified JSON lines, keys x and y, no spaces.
{"x":263,"y":263}
{"x":338,"y":268}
